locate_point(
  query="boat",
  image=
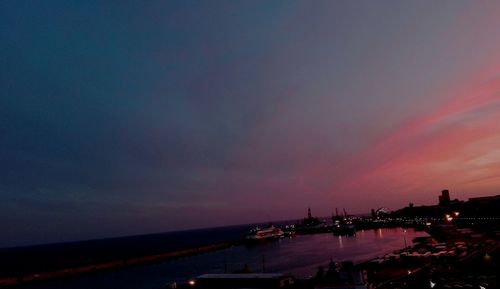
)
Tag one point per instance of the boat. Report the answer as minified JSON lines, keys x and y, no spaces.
{"x":289,"y":231}
{"x":345,"y":228}
{"x":270,"y":232}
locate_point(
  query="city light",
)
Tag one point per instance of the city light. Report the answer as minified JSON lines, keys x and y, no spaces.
{"x":192,"y":282}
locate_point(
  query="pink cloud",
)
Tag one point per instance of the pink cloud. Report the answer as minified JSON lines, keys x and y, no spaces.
{"x":450,"y":146}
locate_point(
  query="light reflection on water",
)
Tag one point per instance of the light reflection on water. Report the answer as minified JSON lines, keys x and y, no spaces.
{"x":300,"y":256}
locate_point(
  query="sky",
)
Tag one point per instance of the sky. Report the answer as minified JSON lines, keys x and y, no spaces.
{"x":133,"y":117}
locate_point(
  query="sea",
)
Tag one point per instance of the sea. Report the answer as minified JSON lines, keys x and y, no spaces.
{"x":300,"y":255}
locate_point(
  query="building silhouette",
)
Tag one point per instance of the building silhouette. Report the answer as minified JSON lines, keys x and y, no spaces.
{"x":444,"y":199}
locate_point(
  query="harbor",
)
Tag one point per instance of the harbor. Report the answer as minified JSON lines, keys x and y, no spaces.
{"x":122,"y":253}
{"x":299,"y":256}
{"x":384,"y":250}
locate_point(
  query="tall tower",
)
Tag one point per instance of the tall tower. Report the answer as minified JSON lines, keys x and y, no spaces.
{"x":309,"y":215}
{"x":444,"y":199}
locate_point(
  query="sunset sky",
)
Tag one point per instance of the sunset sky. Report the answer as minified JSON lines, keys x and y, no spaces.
{"x":120,"y":118}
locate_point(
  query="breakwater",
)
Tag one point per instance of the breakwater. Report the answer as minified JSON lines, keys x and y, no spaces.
{"x":113,"y":265}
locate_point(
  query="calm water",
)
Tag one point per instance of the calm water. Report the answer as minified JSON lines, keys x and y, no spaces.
{"x":300,"y":256}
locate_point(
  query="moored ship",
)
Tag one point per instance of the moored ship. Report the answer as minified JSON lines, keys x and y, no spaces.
{"x":258,"y":234}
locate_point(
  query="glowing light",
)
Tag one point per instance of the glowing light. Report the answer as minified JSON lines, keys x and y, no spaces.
{"x":409,"y":272}
{"x":448,"y":218}
{"x":192,"y":282}
{"x":456,"y":214}
{"x":433,"y":284}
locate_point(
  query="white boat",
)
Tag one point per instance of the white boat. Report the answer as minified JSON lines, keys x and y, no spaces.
{"x":270,"y":232}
